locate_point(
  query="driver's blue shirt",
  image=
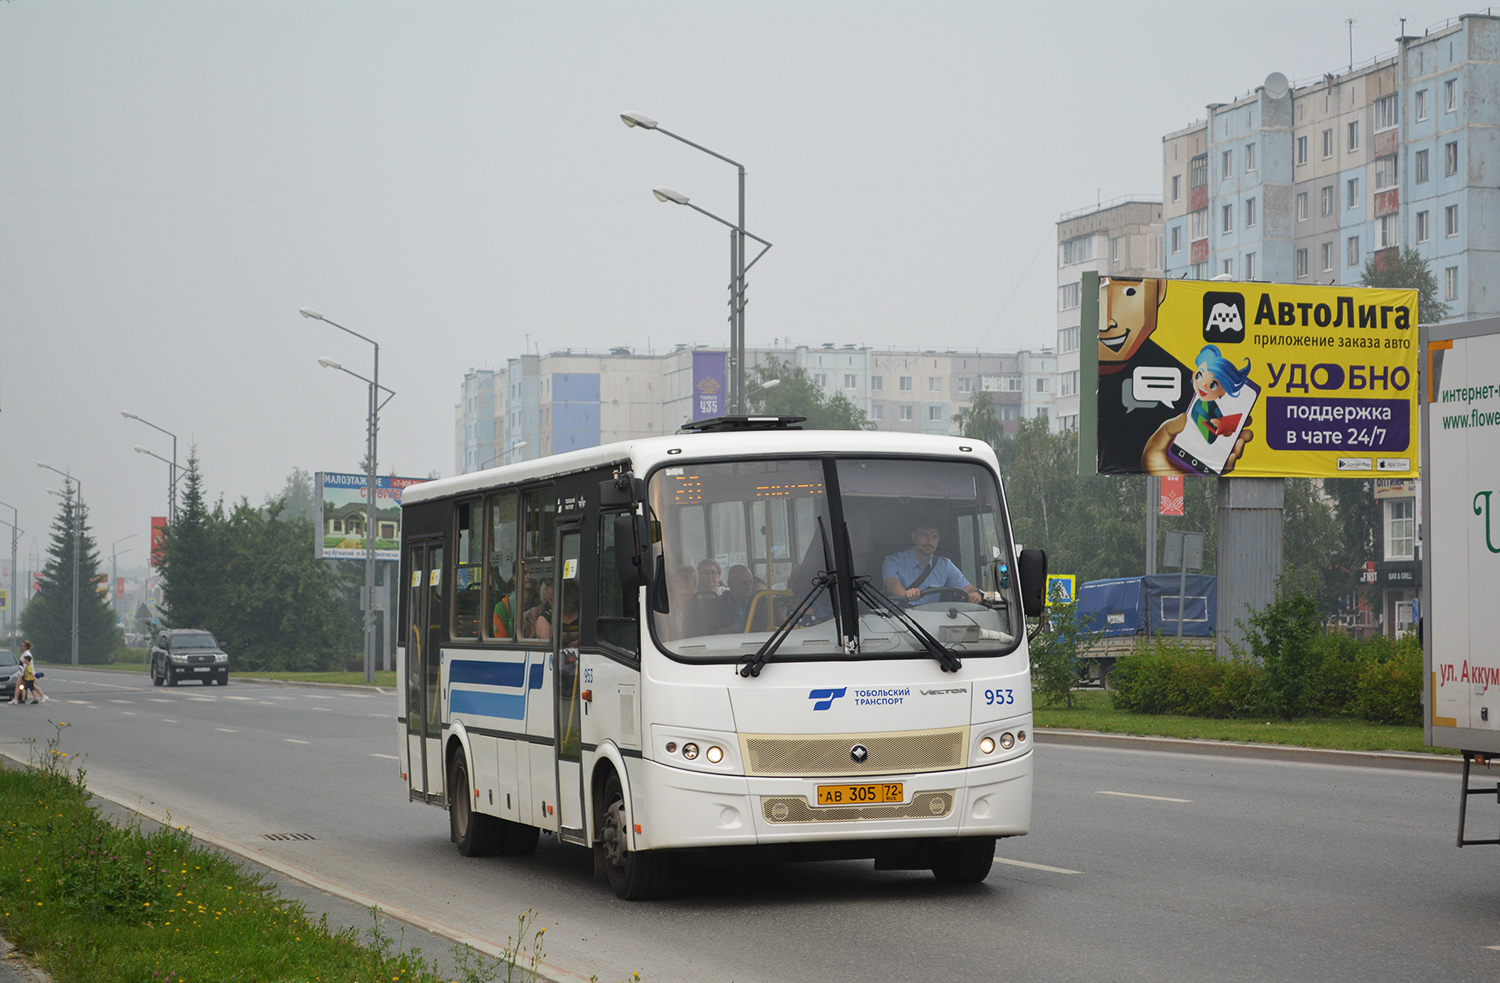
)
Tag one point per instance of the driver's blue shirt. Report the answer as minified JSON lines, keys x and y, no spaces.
{"x":906,"y":567}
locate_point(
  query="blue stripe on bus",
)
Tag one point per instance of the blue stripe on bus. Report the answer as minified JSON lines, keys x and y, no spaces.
{"x":536,"y":676}
{"x":511,"y":706}
{"x":512,"y":674}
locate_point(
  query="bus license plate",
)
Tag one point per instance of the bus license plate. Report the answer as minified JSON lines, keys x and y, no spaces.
{"x":843,"y":795}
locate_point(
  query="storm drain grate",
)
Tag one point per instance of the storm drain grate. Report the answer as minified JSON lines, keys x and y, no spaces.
{"x":288,"y":836}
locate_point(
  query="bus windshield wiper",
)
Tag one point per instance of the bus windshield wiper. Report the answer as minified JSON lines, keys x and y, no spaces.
{"x":752,"y":664}
{"x":947,"y":661}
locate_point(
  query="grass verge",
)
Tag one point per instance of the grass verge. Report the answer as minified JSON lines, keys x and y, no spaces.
{"x":1092,"y":710}
{"x":89,"y":900}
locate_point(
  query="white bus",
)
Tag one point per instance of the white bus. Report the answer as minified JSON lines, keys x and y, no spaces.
{"x":684,"y":647}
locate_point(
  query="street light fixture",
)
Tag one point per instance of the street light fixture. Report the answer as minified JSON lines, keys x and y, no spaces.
{"x":77,"y":541}
{"x":372,"y":521}
{"x":172,"y":487}
{"x":737,"y":265}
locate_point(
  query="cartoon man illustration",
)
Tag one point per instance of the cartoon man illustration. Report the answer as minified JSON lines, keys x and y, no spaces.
{"x":1127,"y":320}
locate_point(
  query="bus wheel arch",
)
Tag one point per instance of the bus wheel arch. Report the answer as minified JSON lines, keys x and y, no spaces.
{"x":635,"y":875}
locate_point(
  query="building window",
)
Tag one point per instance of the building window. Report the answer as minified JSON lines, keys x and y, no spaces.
{"x":1353,"y":135}
{"x":1385,"y":173}
{"x":1198,"y":171}
{"x":1067,"y":341}
{"x":1249,"y":213}
{"x":1041,"y":412}
{"x":1450,"y":283}
{"x":1200,"y":223}
{"x":906,"y":411}
{"x":1249,"y":157}
{"x":905,"y":384}
{"x":1302,"y":150}
{"x":1327,"y":256}
{"x":1078,"y":250}
{"x":1302,"y":206}
{"x":1176,"y":238}
{"x":1114,"y":249}
{"x":935,"y":384}
{"x":851,"y":381}
{"x":1327,"y":143}
{"x":1389,"y":231}
{"x":1450,"y":96}
{"x":1450,"y":158}
{"x":1226,"y":165}
{"x":1421,"y":100}
{"x":1198,"y":271}
{"x":1226,"y":267}
{"x":1450,"y":221}
{"x":965,"y":384}
{"x":1400,"y":539}
{"x":1353,"y":258}
{"x":1068,"y":383}
{"x":821,"y":378}
{"x":877,"y":383}
{"x":1176,"y":187}
{"x":1386,"y":113}
{"x":1422,"y":230}
{"x":1421,"y":167}
{"x":1301,"y":263}
{"x":934,"y":412}
{"x":1353,"y":192}
{"x":1249,"y":266}
{"x":1227,"y":216}
{"x":877,"y":412}
{"x":1068,"y":296}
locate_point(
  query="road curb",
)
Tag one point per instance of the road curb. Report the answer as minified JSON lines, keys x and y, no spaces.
{"x":1395,"y":760}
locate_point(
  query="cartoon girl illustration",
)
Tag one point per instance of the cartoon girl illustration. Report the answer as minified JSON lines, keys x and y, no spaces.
{"x":1214,"y":377}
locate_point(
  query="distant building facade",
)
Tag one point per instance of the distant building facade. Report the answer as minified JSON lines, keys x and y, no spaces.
{"x":1120,"y":238}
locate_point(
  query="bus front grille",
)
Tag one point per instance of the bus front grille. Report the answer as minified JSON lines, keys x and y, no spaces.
{"x":795,"y":755}
{"x":796,"y":809}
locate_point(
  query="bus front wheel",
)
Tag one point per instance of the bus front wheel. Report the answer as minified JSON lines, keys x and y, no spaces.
{"x":475,"y":834}
{"x":963,"y":861}
{"x":635,"y":875}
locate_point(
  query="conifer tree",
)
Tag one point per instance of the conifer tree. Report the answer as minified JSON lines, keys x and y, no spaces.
{"x":48,"y":618}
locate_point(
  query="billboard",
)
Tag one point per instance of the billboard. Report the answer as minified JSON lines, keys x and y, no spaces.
{"x":709,"y":375}
{"x":1255,"y":379}
{"x":342,"y":514}
{"x":158,"y":539}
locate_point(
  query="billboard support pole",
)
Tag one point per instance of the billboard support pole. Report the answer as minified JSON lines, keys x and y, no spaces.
{"x":1250,"y":527}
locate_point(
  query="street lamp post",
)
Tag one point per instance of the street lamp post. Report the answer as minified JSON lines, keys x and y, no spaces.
{"x":172,"y":486}
{"x":173,"y":476}
{"x":371,"y":516}
{"x":10,"y":600}
{"x":77,"y":541}
{"x":114,"y":572}
{"x":737,"y":265}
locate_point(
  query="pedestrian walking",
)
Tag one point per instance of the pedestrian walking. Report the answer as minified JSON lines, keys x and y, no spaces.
{"x":26,"y":685}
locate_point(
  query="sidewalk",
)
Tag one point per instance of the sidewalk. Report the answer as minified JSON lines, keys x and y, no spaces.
{"x":14,"y":968}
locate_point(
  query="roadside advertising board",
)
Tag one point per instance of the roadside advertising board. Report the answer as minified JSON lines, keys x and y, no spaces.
{"x":1461,"y":536}
{"x":341,"y":513}
{"x":1255,"y":379}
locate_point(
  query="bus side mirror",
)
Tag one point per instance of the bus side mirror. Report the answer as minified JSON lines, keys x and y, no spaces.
{"x":1033,"y":582}
{"x":625,"y":489}
{"x":634,"y":564}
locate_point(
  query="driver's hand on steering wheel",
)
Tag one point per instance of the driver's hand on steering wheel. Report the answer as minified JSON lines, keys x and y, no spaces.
{"x":975,"y":596}
{"x":913,"y":593}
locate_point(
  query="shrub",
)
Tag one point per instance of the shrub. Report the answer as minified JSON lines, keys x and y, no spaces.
{"x":1285,"y":642}
{"x":1054,"y":652}
{"x":1390,"y":688}
{"x":1164,"y":676}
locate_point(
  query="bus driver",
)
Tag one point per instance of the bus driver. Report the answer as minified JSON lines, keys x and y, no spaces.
{"x":912,"y":571}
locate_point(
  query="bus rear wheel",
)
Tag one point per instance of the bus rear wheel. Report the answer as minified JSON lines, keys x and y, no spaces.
{"x":963,"y":861}
{"x":635,"y":875}
{"x":475,"y":834}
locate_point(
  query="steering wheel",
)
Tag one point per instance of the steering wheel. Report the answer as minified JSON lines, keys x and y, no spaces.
{"x":946,"y":593}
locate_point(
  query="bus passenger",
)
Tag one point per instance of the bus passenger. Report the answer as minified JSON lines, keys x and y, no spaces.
{"x":736,"y":603}
{"x":709,"y":574}
{"x":912,"y":571}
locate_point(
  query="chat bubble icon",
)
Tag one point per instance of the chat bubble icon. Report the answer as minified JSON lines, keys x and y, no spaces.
{"x":1151,"y":384}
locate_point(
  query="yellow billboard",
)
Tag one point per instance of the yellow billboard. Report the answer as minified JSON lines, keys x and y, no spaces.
{"x":1256,"y":379}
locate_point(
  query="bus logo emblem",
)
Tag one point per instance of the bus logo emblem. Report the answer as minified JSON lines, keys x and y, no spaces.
{"x":825,"y":697}
{"x":859,"y":754}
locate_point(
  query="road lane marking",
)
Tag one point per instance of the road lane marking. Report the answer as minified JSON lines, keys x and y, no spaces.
{"x":204,"y":699}
{"x":126,"y":702}
{"x":169,"y":720}
{"x":1031,"y":866}
{"x":250,"y":698}
{"x":225,"y":730}
{"x":330,"y":709}
{"x":128,"y":713}
{"x":388,"y":757}
{"x":81,"y":703}
{"x":1133,"y":795}
{"x":158,"y":699}
{"x":265,"y":703}
{"x":293,"y":740}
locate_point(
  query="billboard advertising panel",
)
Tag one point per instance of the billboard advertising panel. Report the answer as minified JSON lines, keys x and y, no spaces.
{"x":341,"y":515}
{"x":1255,"y":379}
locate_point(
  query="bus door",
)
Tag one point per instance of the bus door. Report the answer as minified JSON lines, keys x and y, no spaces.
{"x":567,"y":595}
{"x":424,"y":723}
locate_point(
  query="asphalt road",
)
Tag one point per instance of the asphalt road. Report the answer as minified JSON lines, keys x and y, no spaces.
{"x":1142,"y":865}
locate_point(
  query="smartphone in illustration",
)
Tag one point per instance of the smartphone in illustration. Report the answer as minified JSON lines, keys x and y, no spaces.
{"x":1213,"y":425}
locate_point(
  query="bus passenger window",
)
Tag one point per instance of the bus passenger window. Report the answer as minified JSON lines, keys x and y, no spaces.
{"x":618,"y":608}
{"x":502,"y":604}
{"x":538,"y":510}
{"x":467,"y":572}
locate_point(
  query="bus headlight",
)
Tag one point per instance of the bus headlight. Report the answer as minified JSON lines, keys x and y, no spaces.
{"x":690,"y":750}
{"x":987,"y":745}
{"x":714,"y":754}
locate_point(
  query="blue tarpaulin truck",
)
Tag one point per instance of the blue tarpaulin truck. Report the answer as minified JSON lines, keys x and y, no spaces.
{"x":1125,"y":608}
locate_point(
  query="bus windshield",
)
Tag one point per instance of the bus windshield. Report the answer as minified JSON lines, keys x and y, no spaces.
{"x":746,"y":543}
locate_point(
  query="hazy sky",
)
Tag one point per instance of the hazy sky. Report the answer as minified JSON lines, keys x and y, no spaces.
{"x":453,"y":180}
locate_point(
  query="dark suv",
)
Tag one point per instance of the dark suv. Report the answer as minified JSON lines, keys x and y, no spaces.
{"x":188,"y":653}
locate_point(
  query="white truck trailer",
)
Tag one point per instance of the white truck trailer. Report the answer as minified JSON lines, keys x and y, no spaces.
{"x":1460,"y":606}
